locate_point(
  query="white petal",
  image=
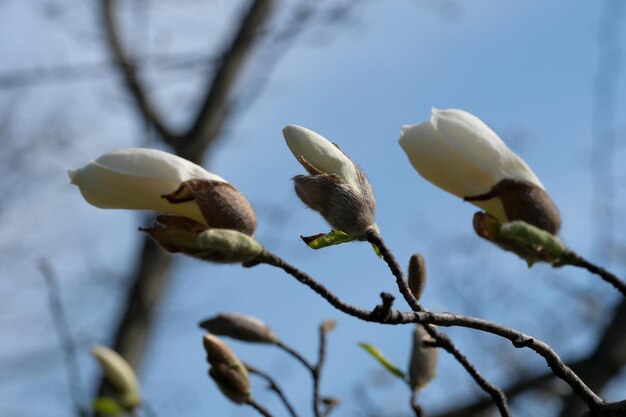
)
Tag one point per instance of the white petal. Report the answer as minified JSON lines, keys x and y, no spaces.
{"x":321,"y":153}
{"x":137,"y":178}
{"x":481,"y":146}
{"x":442,"y":165}
{"x":119,"y":373}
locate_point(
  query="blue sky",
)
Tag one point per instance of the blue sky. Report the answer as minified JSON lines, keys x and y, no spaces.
{"x":525,"y":68}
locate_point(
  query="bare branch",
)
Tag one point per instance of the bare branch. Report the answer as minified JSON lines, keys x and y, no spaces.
{"x":124,"y":63}
{"x":575,"y":260}
{"x":442,"y":340}
{"x":273,"y":385}
{"x":519,"y":339}
{"x":258,"y":407}
{"x":218,"y":100}
{"x":62,"y":328}
{"x":296,"y":355}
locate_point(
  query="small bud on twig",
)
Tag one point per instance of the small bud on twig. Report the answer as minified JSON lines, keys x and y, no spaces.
{"x":417,"y":275}
{"x":525,"y":240}
{"x":227,"y":371}
{"x":423,"y":359}
{"x":178,"y":234}
{"x":240,"y":327}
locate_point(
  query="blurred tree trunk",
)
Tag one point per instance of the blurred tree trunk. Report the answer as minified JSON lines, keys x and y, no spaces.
{"x":152,"y":271}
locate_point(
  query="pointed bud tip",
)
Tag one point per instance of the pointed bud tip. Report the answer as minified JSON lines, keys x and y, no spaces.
{"x":73,"y":174}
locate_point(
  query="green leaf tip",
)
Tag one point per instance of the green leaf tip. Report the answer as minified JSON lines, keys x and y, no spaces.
{"x":386,"y":363}
{"x":327,"y":239}
{"x":107,"y":405}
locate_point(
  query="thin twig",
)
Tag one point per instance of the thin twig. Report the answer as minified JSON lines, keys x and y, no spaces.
{"x":317,"y":372}
{"x":258,"y":407}
{"x":273,"y":385}
{"x":443,"y":340}
{"x":518,"y":339}
{"x":575,"y":260}
{"x":62,"y":328}
{"x":417,"y":409}
{"x":127,"y":67}
{"x":296,"y":355}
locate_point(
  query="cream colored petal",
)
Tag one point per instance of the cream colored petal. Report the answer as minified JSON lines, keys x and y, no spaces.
{"x":155,"y":164}
{"x":119,"y":374}
{"x":440,"y":164}
{"x":321,"y":153}
{"x":136,"y":179}
{"x":480,"y":145}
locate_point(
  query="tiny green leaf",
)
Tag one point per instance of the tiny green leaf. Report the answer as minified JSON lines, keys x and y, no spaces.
{"x":377,"y":251}
{"x":107,"y":405}
{"x":378,"y":355}
{"x":328,"y":239}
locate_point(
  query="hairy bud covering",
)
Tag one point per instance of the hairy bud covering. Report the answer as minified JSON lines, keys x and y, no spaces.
{"x":240,"y":327}
{"x":417,"y":275}
{"x":335,"y":187}
{"x":230,"y":375}
{"x":423,"y":362}
{"x":179,"y":234}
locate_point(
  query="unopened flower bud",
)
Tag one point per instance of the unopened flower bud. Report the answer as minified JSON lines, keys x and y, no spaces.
{"x":240,"y":327}
{"x":525,"y":240}
{"x":460,"y":154}
{"x":230,"y":375}
{"x":120,"y":375}
{"x":335,"y":187}
{"x":417,"y":275}
{"x":148,"y":179}
{"x":423,"y":362}
{"x":179,"y":234}
{"x":227,"y":246}
{"x":231,"y":383}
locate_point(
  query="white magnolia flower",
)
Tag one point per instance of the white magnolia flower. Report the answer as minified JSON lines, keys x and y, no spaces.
{"x":322,"y":154}
{"x":137,"y":179}
{"x":336,"y":186}
{"x":459,"y":153}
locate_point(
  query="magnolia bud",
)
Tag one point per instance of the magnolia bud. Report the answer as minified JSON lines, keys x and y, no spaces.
{"x":231,"y":383}
{"x":460,"y":154}
{"x":335,"y":187}
{"x":525,"y":201}
{"x":179,"y":234}
{"x":120,"y":375}
{"x":227,"y":246}
{"x":423,"y":359}
{"x":525,"y":240}
{"x":148,"y":179}
{"x":240,"y":327}
{"x":417,"y":275}
{"x":230,"y":375}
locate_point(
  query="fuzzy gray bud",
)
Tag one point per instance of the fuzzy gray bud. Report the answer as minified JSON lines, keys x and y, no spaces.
{"x":417,"y":275}
{"x":240,"y":327}
{"x":335,"y":187}
{"x":423,"y":362}
{"x":230,"y":375}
